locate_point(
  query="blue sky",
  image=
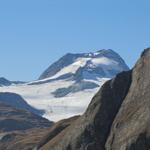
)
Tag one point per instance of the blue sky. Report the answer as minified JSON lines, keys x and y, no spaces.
{"x":35,"y":33}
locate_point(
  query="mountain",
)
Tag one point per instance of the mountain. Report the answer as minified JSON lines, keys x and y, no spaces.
{"x":100,"y":64}
{"x":118,"y":117}
{"x":67,"y":87}
{"x":17,"y":101}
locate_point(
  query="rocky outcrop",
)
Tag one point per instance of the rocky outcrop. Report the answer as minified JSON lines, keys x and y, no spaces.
{"x":118,"y":117}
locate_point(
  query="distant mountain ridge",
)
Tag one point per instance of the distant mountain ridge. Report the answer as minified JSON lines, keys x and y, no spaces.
{"x":6,"y":82}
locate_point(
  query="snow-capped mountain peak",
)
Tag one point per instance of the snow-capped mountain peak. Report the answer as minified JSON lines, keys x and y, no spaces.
{"x":103,"y":63}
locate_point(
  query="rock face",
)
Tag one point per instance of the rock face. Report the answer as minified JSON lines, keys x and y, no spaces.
{"x":118,"y":117}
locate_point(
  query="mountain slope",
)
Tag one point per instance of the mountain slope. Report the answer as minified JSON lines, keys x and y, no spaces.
{"x":12,"y":119}
{"x":20,"y":129}
{"x":118,"y":118}
{"x":17,"y":101}
{"x":4,"y":82}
